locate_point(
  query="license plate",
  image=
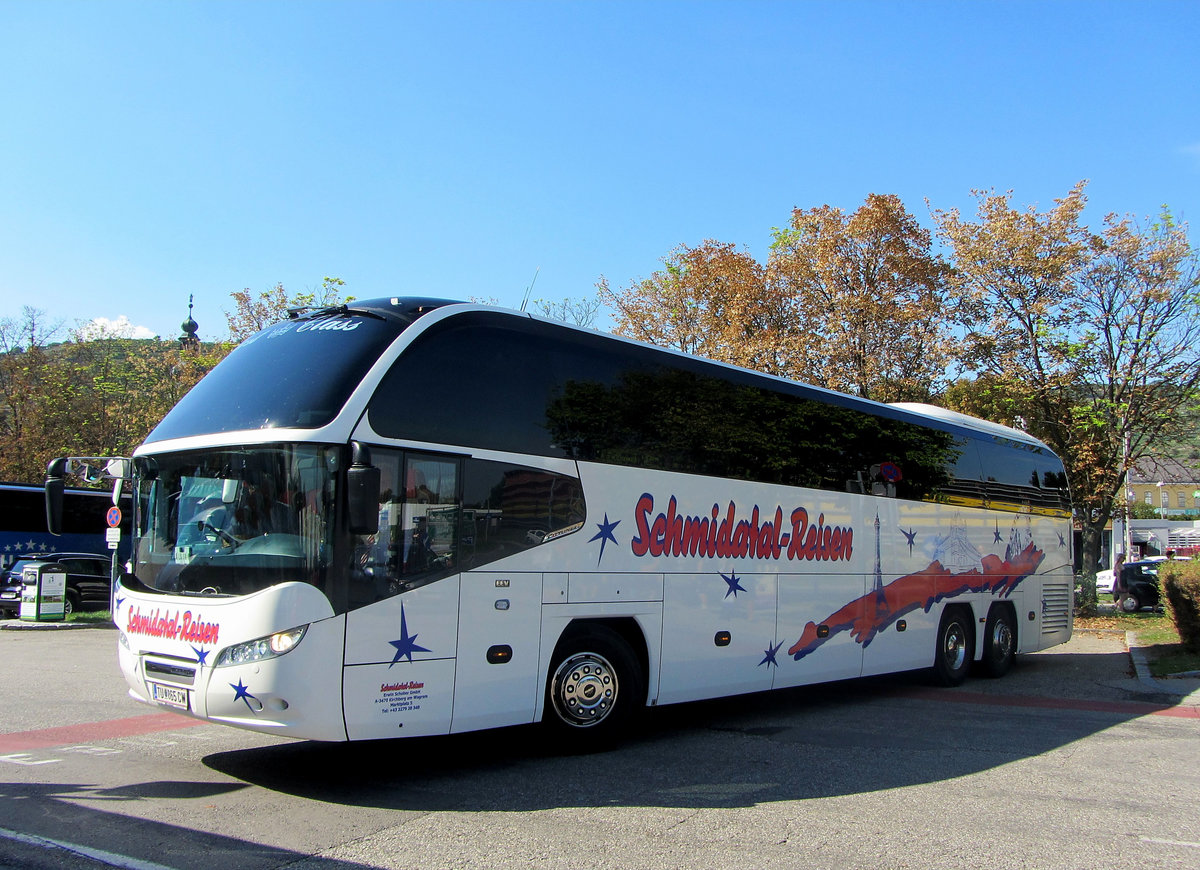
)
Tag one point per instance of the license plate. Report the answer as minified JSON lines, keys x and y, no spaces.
{"x":169,"y":695}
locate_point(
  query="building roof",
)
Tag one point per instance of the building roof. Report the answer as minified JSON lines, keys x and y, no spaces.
{"x":1154,"y":470}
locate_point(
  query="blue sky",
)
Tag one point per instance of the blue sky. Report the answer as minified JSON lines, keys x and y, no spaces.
{"x":154,"y":150}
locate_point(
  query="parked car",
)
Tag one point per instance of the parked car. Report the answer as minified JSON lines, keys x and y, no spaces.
{"x":88,"y":581}
{"x":1139,"y":585}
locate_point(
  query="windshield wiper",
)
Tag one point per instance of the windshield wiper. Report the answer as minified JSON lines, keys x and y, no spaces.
{"x":308,"y":311}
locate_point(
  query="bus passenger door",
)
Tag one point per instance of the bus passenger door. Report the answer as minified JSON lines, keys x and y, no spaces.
{"x":499,"y":631}
{"x":402,"y":627}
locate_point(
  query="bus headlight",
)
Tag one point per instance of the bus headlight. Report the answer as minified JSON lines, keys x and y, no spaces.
{"x":261,"y":649}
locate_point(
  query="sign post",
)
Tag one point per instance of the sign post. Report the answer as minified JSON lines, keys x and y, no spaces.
{"x":113,"y":536}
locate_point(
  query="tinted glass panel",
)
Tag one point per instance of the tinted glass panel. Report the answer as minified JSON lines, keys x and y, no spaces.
{"x":1023,"y":476}
{"x":429,"y":528}
{"x":509,"y":508}
{"x":529,"y":387}
{"x":24,"y":509}
{"x":293,"y":374}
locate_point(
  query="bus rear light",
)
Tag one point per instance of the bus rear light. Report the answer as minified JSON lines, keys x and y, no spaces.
{"x":262,"y":648}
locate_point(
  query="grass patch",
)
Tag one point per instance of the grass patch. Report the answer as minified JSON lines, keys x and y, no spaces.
{"x":1169,"y":659}
{"x":1157,"y":633}
{"x":90,"y":616}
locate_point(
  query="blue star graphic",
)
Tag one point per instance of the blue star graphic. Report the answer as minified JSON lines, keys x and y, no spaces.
{"x":912,"y":537}
{"x":769,"y":655}
{"x":604,"y":535}
{"x":120,"y":601}
{"x":1062,"y":542}
{"x":407,"y":644}
{"x":242,"y":693}
{"x":734,"y":586}
{"x":202,"y":657}
{"x":998,"y":539}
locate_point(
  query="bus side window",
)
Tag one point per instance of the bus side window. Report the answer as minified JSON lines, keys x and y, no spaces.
{"x":510,"y":508}
{"x":372,"y":574}
{"x":429,"y":516}
{"x":417,"y":541}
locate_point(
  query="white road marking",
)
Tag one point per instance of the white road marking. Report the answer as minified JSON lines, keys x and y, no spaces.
{"x":124,"y":862}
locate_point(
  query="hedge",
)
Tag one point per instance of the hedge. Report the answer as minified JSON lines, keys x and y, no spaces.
{"x":1181,"y":582}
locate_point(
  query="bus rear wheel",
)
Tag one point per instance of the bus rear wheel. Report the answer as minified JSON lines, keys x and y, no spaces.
{"x":595,"y":688}
{"x":952,"y":655}
{"x":1000,"y":642}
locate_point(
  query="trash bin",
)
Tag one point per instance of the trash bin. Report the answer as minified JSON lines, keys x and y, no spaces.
{"x":43,"y":592}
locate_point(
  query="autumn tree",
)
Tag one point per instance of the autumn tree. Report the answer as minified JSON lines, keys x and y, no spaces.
{"x":1091,"y":339}
{"x":866,"y":294}
{"x":253,"y":313}
{"x":712,"y":300}
{"x":852,"y":302}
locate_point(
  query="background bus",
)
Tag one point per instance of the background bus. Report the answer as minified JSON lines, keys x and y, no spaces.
{"x":24,"y":533}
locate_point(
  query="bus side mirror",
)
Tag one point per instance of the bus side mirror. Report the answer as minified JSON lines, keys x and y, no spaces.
{"x":362,"y":491}
{"x":54,"y":494}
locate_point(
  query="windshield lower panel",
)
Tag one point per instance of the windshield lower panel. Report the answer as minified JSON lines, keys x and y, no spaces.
{"x":232,"y":521}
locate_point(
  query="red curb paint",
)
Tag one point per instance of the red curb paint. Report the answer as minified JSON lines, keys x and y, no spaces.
{"x":88,"y":732}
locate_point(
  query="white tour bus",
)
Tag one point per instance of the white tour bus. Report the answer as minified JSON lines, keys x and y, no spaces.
{"x":411,"y":517}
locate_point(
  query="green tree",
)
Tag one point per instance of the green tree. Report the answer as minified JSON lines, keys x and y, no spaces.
{"x":1092,"y":340}
{"x":126,"y":387}
{"x":581,"y":312}
{"x":28,"y":391}
{"x":253,"y":313}
{"x":99,"y":393}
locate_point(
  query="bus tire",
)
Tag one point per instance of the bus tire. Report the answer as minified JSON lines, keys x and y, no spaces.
{"x":595,"y":688}
{"x":1000,"y":641}
{"x":952,"y":653}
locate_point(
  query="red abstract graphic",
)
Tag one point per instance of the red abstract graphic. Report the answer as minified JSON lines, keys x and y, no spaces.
{"x":865,"y":617}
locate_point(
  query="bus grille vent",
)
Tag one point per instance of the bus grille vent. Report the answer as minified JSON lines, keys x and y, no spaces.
{"x":1056,"y":607}
{"x":175,"y":673}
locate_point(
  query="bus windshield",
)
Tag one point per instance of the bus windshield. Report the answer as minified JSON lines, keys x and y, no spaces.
{"x":315,"y":362}
{"x":231,"y":521}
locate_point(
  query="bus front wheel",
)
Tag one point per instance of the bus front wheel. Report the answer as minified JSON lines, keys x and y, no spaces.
{"x":595,"y":687}
{"x":952,"y":655}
